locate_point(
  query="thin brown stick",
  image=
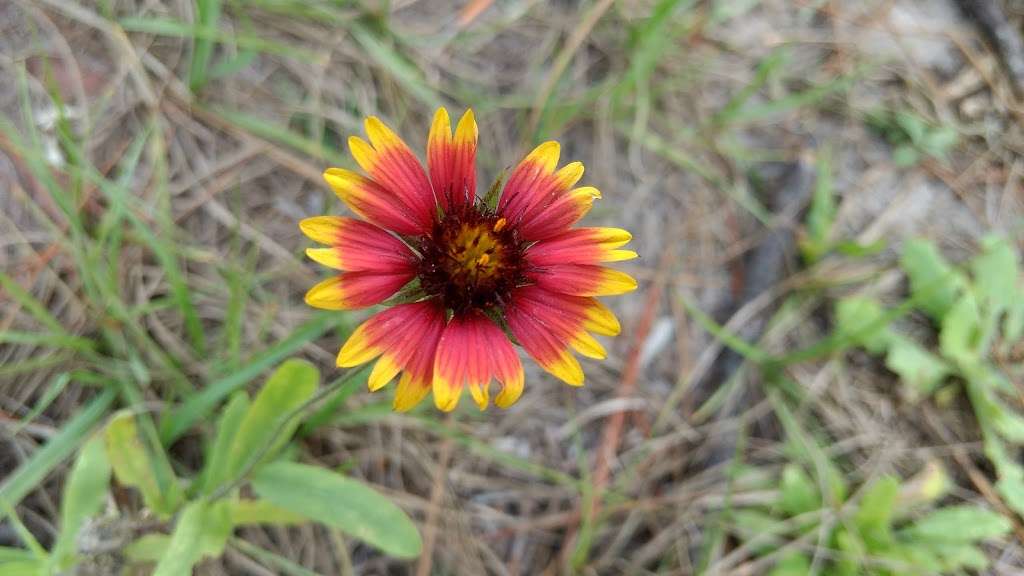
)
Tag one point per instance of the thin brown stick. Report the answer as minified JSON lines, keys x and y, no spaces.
{"x":436,"y":493}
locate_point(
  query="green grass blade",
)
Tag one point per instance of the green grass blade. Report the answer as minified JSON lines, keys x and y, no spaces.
{"x":398,"y":66}
{"x":29,"y":303}
{"x":179,"y":29}
{"x":28,"y":476}
{"x":208,"y":13}
{"x":201,"y":405}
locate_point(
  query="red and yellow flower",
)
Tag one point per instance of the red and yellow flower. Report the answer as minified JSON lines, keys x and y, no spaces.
{"x":473,"y":271}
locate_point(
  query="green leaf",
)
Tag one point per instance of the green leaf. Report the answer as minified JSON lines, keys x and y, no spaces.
{"x":996,"y":275}
{"x":1009,"y":424}
{"x":913,"y":126}
{"x":262,"y":512}
{"x":918,"y":368}
{"x":934,"y":284}
{"x":958,"y":524}
{"x":201,"y":405}
{"x":1010,"y":484}
{"x":862,"y":320}
{"x":1012,"y":491}
{"x":84,"y":494}
{"x":15,"y":555}
{"x":905,"y":155}
{"x":185,"y":547}
{"x":339,"y":502}
{"x":960,"y":556}
{"x":29,"y":475}
{"x":266,"y":422}
{"x":960,"y":337}
{"x":850,"y":556}
{"x":217,"y":470}
{"x":874,"y":515}
{"x":792,"y":564}
{"x":148,"y":548}
{"x":759,"y":530}
{"x":216,"y":529}
{"x":135,"y":465}
{"x":207,"y":14}
{"x":822,"y":213}
{"x":24,"y":568}
{"x":855,"y":249}
{"x":798,"y":493}
{"x":915,"y":558}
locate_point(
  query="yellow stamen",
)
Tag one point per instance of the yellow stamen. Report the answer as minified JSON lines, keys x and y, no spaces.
{"x":483,"y":259}
{"x":500,"y":224}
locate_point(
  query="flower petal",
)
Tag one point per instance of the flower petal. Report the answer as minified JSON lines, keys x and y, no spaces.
{"x":534,"y":184}
{"x":405,"y":337}
{"x":452,"y":161}
{"x":353,"y":290}
{"x":356,"y":245}
{"x":548,"y":324}
{"x":374,"y":203}
{"x":582,"y":279}
{"x":551,"y":353}
{"x":471,"y":352}
{"x":411,"y":391}
{"x":558,"y":216}
{"x":392,"y":164}
{"x":581,"y":246}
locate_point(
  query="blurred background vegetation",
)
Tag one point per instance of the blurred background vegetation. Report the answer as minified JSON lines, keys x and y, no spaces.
{"x":820,"y":373}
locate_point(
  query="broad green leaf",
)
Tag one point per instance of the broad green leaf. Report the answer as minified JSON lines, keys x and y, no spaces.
{"x":216,"y":529}
{"x":961,"y":331}
{"x":339,"y":502}
{"x":1011,"y":474}
{"x":862,"y":320}
{"x":84,"y":494}
{"x":1013,"y":326}
{"x":267,"y":422}
{"x":15,"y":555}
{"x":996,"y":283}
{"x":203,"y":404}
{"x":918,"y":368}
{"x":148,"y":548}
{"x":184,"y":549}
{"x":958,"y":524}
{"x":905,"y":155}
{"x":798,"y":493}
{"x":874,"y":514}
{"x":24,"y":568}
{"x":913,"y":126}
{"x":134,"y":465}
{"x":960,"y":556}
{"x":792,"y":564}
{"x":1011,"y":488}
{"x":28,"y":476}
{"x":262,"y":512}
{"x":934,"y":284}
{"x":917,"y":558}
{"x":850,"y":554}
{"x":927,"y":486}
{"x":996,"y":275}
{"x":1009,"y":424}
{"x":217,"y":471}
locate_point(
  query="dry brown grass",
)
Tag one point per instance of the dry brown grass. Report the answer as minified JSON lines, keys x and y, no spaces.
{"x":675,"y":179}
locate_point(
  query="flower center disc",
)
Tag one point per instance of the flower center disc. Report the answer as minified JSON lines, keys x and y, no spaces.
{"x":472,"y":261}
